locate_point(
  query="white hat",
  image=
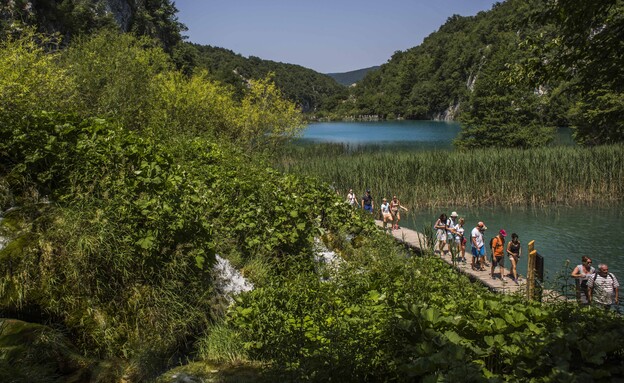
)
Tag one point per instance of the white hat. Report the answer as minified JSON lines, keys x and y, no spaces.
{"x":454,"y":214}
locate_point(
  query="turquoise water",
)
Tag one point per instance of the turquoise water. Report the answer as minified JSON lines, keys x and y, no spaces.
{"x":560,"y":233}
{"x":403,"y":134}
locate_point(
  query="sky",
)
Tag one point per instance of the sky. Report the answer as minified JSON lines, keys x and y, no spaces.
{"x":327,"y":36}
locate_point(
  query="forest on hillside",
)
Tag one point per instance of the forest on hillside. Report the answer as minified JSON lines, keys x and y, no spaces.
{"x":510,"y":75}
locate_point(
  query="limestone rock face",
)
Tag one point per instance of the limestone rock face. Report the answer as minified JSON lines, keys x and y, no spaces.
{"x":121,"y":12}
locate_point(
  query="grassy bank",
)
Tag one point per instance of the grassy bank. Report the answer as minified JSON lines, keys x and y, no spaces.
{"x":558,"y":175}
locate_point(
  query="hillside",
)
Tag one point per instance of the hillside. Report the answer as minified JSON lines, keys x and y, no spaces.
{"x":511,"y":75}
{"x":306,"y":87}
{"x":350,"y":78}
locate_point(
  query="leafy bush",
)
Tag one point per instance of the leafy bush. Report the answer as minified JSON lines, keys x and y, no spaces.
{"x":384,"y":317}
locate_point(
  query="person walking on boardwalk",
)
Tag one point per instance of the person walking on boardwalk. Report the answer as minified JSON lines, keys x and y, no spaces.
{"x":514,"y":251}
{"x":385,"y":213}
{"x":451,"y":230}
{"x":440,"y":227}
{"x":367,"y":202}
{"x":603,"y":288}
{"x":351,"y":198}
{"x":582,"y":273}
{"x":498,"y":254}
{"x":395,"y":209}
{"x":478,"y":247}
{"x":461,"y":239}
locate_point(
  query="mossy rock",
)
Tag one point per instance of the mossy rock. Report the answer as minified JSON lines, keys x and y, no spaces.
{"x":35,"y":353}
{"x":210,"y":372}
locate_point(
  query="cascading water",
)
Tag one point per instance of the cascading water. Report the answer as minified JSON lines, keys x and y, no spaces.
{"x":229,"y":281}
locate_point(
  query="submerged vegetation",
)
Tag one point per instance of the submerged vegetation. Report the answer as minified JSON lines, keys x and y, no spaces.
{"x":542,"y":176}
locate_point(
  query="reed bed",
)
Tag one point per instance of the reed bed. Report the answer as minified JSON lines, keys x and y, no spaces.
{"x":545,"y":176}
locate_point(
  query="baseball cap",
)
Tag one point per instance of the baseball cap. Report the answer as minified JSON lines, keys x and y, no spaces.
{"x":482,"y":225}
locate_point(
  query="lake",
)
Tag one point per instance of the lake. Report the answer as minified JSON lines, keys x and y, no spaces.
{"x":407,"y":135}
{"x":561,"y":233}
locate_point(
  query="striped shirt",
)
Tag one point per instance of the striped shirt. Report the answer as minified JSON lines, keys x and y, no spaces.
{"x":603,"y":288}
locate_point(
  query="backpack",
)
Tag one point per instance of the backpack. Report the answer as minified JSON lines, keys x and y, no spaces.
{"x":608,"y":275}
{"x":502,"y":242}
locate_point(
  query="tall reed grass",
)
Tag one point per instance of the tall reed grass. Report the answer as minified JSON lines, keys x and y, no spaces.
{"x":554,"y":175}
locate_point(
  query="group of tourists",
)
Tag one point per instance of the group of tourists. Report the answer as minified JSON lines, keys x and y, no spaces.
{"x":450,"y":231}
{"x":596,"y":287}
{"x":390,"y":211}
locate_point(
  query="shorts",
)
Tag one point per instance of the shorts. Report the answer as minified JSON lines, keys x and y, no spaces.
{"x":480,"y":252}
{"x":396,"y":213}
{"x":368,"y":208}
{"x":441,"y":235}
{"x":387,"y":216}
{"x":498,"y":261}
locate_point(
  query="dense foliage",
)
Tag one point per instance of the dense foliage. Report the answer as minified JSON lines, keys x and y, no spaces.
{"x":151,"y":18}
{"x":583,"y":49}
{"x":119,"y":200}
{"x":309,"y":89}
{"x":384,"y":317}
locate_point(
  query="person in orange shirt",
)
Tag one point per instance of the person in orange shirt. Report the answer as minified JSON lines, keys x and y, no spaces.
{"x":498,"y":253}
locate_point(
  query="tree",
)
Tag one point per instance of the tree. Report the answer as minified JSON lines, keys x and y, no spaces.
{"x":585,"y":47}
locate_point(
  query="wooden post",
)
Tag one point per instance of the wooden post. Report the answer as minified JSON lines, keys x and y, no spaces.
{"x":531,"y":271}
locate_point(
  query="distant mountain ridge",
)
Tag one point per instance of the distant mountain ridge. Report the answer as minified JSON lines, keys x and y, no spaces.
{"x":350,"y":78}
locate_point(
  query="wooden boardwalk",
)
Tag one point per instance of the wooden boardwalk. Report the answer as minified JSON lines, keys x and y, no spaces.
{"x":417,"y":241}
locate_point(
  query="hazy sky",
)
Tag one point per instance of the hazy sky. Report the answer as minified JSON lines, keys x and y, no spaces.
{"x":327,"y":36}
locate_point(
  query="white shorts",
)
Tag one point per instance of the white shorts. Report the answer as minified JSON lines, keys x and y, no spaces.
{"x":441,"y":235}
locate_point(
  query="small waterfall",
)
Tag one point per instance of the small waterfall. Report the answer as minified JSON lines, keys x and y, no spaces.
{"x":229,"y":281}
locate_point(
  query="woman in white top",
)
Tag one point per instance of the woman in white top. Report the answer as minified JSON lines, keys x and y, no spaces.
{"x":582,"y":273}
{"x":385,"y":212}
{"x":440,"y":227}
{"x":351,"y":198}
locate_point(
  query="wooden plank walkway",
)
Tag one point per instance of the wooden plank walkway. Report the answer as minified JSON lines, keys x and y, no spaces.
{"x":416,"y":241}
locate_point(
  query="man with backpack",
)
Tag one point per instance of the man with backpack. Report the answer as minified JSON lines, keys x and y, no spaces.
{"x":603,"y":287}
{"x":497,"y":244}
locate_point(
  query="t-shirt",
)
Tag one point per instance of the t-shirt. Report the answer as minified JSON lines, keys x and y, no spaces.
{"x":460,"y":231}
{"x":451,"y":224}
{"x":497,"y":247}
{"x":351,"y":198}
{"x":603,"y":288}
{"x":368,"y":199}
{"x":478,"y":236}
{"x":385,"y":208}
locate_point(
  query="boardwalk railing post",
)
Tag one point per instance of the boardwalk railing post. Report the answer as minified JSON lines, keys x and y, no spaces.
{"x":531,"y":271}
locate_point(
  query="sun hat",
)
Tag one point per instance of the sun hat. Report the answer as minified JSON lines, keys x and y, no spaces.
{"x":454,"y":214}
{"x":502,"y":232}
